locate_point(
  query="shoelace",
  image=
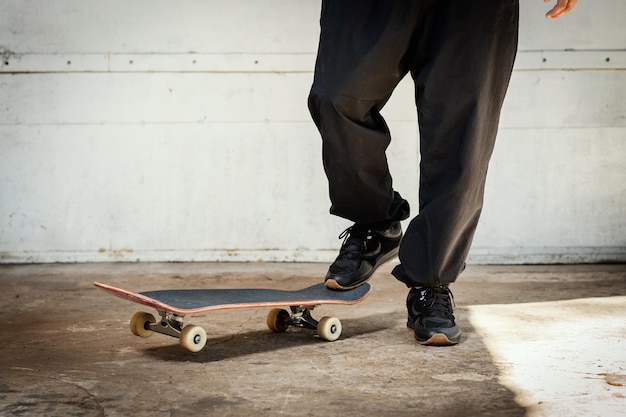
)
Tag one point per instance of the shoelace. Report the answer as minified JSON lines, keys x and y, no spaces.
{"x":352,"y":245}
{"x":438,"y":299}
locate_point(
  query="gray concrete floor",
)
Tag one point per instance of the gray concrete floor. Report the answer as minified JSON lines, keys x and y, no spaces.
{"x":538,"y":341}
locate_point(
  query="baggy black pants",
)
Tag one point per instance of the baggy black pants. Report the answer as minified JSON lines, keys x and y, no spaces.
{"x":460,"y":54}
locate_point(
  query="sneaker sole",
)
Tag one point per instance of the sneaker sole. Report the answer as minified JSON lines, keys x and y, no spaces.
{"x":438,"y":339}
{"x":334,"y":285}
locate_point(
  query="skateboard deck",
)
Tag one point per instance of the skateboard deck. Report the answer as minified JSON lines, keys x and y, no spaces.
{"x":173,"y":305}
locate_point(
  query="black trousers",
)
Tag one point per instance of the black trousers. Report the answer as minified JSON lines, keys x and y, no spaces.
{"x":460,"y":54}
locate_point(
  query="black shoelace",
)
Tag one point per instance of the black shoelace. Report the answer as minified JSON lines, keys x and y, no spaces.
{"x":354,"y":242}
{"x":438,"y":301}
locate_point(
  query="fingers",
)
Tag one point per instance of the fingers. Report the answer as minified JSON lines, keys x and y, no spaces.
{"x":562,"y":7}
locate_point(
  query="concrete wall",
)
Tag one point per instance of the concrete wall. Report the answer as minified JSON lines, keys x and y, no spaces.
{"x":179,"y":131}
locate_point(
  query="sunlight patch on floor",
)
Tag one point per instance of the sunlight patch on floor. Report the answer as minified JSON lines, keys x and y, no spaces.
{"x":561,"y":358}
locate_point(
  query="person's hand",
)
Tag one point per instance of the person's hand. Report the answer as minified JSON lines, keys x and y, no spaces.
{"x":561,"y":8}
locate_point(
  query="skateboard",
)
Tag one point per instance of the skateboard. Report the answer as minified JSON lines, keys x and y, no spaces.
{"x":173,"y":305}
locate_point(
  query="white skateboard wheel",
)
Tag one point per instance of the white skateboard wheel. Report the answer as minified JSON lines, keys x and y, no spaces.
{"x":277,"y":320}
{"x":329,"y":328}
{"x":193,"y":338}
{"x":139,"y":324}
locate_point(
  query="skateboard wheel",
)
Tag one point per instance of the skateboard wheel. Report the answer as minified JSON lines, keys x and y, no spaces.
{"x":193,"y":338}
{"x":139,"y":324}
{"x":329,"y":328}
{"x":277,"y":320}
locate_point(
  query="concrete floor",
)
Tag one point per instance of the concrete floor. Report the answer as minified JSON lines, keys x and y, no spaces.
{"x":538,"y":341}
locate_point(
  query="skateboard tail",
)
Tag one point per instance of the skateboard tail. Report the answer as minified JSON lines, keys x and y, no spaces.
{"x":134,"y":297}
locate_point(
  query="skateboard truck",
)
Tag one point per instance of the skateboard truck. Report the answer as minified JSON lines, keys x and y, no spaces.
{"x":328,"y":328}
{"x":192,"y":338}
{"x":301,"y":317}
{"x":170,"y":324}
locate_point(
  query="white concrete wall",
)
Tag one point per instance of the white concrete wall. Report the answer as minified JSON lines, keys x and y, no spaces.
{"x":159,"y":130}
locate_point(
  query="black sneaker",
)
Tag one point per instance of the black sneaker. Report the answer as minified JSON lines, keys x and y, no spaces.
{"x":430,"y":316}
{"x":364,"y":249}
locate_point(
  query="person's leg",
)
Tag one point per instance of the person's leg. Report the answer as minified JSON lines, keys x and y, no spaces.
{"x":361,"y":59}
{"x":459,"y":92}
